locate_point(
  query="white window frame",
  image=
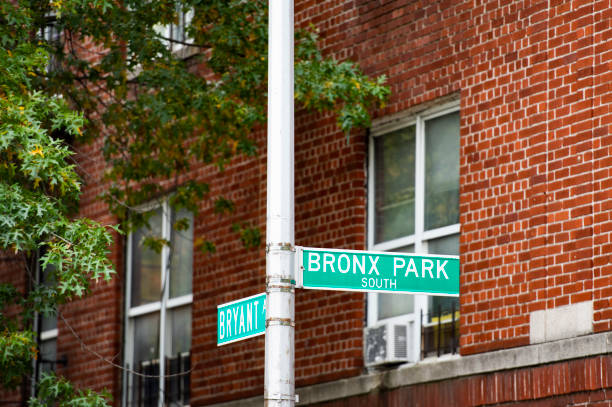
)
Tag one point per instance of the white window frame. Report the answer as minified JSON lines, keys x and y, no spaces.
{"x":420,"y":237}
{"x":161,"y":306}
{"x":179,"y":50}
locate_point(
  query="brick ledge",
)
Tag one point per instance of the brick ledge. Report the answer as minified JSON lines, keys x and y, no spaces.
{"x":449,"y":367}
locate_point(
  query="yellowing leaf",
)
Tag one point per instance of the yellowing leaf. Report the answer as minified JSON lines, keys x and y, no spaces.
{"x":37,"y":151}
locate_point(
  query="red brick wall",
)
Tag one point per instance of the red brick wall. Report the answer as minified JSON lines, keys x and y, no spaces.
{"x":12,"y":271}
{"x":330,"y":212}
{"x":535,"y":141}
{"x":229,"y":274}
{"x":97,"y":319}
{"x":584,"y":382}
{"x":602,"y":164}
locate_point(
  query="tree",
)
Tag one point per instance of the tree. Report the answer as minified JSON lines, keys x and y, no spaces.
{"x":38,"y":191}
{"x":159,"y":111}
{"x":201,"y":109}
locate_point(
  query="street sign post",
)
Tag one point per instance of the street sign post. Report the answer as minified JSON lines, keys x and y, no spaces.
{"x":241,"y":319}
{"x":369,"y":271}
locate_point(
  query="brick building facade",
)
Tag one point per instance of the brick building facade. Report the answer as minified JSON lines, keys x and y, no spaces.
{"x":521,"y":91}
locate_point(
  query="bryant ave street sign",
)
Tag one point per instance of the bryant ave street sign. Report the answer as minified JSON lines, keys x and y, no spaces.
{"x":241,"y":319}
{"x":356,"y":270}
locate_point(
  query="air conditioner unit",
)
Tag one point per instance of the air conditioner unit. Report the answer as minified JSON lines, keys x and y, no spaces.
{"x":387,"y":343}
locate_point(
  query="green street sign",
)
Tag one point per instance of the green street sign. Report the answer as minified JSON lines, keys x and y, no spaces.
{"x":355,"y":270}
{"x":241,"y":319}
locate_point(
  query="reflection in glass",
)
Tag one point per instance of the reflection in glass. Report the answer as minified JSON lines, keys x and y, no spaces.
{"x":442,"y":171}
{"x":178,"y":344}
{"x":146,"y":263}
{"x":393,"y":305}
{"x":182,"y":257}
{"x":178,"y":330}
{"x":394,"y":157}
{"x":146,"y":338}
{"x":448,"y":245}
{"x":48,"y":355}
{"x":49,"y":321}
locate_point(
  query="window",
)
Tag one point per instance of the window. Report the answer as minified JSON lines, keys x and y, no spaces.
{"x":414,"y":196}
{"x":52,"y":35}
{"x":175,"y":34}
{"x":46,"y":328}
{"x":158,"y":312}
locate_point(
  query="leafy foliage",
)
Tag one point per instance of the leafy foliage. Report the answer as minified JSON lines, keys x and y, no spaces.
{"x":16,"y":352}
{"x":163,"y":113}
{"x":38,"y":186}
{"x":39,"y":192}
{"x":57,"y":391}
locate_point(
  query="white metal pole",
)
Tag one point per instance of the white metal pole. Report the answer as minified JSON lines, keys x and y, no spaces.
{"x":165,"y":274}
{"x":279,"y":384}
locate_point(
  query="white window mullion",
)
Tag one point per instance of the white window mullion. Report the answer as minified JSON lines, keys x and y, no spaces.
{"x":371,"y":194}
{"x":442,"y":232}
{"x":372,"y":308}
{"x":128,"y":336}
{"x":50,"y":334}
{"x":144,"y":309}
{"x":179,"y":301}
{"x":420,"y":301}
{"x":419,"y":186}
{"x":393,"y":245}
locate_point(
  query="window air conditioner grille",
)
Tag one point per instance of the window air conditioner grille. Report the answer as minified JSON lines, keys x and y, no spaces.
{"x":400,"y":341}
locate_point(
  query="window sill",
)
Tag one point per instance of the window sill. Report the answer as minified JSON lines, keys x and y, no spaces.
{"x":185,"y":52}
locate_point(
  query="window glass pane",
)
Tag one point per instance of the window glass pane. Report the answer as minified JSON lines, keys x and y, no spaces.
{"x":448,"y":245}
{"x":51,"y":32}
{"x":178,"y":28}
{"x":48,"y":322}
{"x":178,"y":344}
{"x":445,"y":245}
{"x":146,"y":264}
{"x":178,"y":330}
{"x":442,"y":171}
{"x":146,"y":338}
{"x":48,"y":355}
{"x":182,"y":257}
{"x":393,"y":305}
{"x":394,"y":162}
